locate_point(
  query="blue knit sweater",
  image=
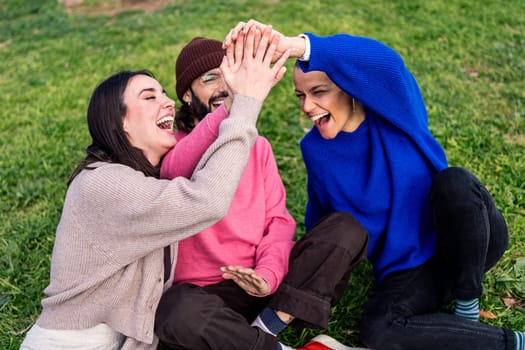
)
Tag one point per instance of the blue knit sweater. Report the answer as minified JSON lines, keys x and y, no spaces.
{"x":382,"y":172}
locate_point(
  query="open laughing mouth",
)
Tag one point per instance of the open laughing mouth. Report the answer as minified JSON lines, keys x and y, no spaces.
{"x":217,"y":103}
{"x":320,"y":118}
{"x":166,"y":122}
{"x":217,"y":100}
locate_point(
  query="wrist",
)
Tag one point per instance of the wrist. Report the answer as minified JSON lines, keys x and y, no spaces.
{"x":297,"y":45}
{"x":306,"y":47}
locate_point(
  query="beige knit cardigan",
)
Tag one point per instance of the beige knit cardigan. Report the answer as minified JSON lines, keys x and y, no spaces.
{"x":107,"y":263}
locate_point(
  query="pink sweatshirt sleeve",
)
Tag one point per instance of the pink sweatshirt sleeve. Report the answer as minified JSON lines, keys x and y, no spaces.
{"x":273,"y":251}
{"x":182,"y":159}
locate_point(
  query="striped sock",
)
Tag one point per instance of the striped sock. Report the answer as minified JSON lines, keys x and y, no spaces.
{"x":468,"y":309}
{"x":269,"y":322}
{"x":520,"y":340}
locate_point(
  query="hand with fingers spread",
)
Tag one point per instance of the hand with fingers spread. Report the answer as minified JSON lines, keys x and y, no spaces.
{"x":295,"y":45}
{"x":247,"y":279}
{"x":247,"y":67}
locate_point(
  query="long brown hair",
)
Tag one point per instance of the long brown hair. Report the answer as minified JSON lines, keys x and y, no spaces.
{"x":109,"y":142}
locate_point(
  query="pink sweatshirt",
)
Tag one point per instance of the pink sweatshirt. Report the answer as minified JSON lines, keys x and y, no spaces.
{"x":257,"y":232}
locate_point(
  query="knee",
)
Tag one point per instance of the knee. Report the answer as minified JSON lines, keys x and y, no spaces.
{"x":453,"y":183}
{"x":177,"y":314}
{"x":353,"y":235}
{"x":344,"y":230}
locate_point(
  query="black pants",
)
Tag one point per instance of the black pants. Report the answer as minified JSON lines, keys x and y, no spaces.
{"x":219,"y":316}
{"x":403,"y":312}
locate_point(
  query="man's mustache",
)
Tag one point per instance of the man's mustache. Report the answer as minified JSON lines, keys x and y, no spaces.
{"x":220,"y":95}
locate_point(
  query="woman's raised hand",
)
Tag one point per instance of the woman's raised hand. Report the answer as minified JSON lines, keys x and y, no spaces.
{"x":247,"y":67}
{"x":295,"y":45}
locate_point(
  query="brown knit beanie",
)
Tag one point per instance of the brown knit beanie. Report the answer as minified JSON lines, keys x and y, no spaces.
{"x":197,"y":57}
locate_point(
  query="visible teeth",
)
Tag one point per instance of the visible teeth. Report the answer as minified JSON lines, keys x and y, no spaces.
{"x":165,"y":120}
{"x":318,"y":116}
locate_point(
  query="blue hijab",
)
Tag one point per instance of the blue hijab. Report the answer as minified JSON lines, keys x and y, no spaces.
{"x":382,"y":172}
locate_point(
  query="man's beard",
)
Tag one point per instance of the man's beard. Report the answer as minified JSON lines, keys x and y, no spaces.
{"x":200,"y":109}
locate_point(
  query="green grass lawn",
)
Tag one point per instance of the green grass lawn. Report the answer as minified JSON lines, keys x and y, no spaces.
{"x":468,"y":57}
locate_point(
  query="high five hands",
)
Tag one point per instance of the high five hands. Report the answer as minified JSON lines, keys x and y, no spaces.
{"x":247,"y":67}
{"x":295,"y":46}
